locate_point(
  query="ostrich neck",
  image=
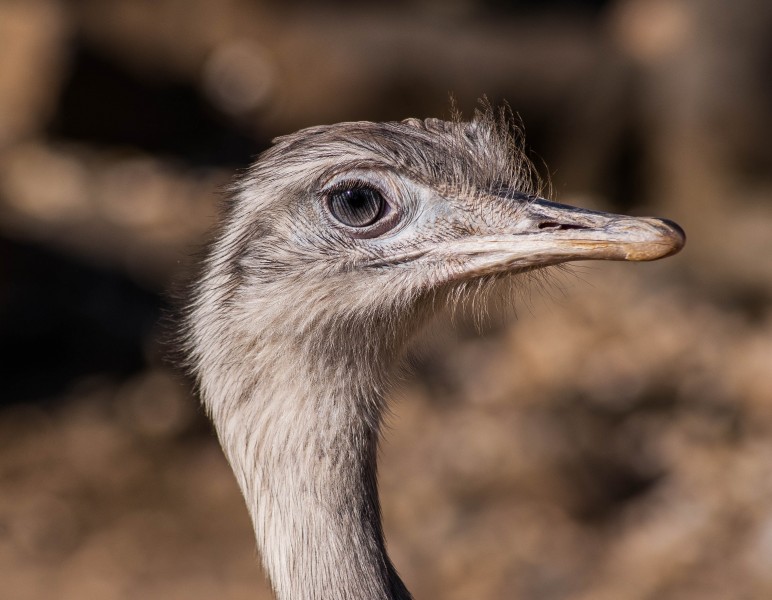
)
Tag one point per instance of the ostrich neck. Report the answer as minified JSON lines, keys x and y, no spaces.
{"x":306,"y":464}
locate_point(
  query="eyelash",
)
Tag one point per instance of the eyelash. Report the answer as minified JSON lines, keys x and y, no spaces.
{"x":350,"y":184}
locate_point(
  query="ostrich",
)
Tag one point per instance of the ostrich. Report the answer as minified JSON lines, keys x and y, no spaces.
{"x":336,"y":247}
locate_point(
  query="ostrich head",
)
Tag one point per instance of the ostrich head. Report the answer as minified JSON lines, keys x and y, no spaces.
{"x":337,"y":246}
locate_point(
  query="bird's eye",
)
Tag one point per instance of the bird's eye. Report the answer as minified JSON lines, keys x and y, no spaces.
{"x":358,"y":206}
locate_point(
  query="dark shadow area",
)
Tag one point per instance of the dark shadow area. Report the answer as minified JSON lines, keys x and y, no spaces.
{"x":105,"y":103}
{"x":62,"y":319}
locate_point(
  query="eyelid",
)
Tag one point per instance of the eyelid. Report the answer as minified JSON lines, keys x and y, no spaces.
{"x":349,"y":183}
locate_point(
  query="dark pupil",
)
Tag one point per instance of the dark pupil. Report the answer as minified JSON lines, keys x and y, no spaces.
{"x":356,"y":207}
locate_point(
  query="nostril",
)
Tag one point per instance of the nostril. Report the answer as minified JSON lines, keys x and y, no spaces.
{"x":559,"y":226}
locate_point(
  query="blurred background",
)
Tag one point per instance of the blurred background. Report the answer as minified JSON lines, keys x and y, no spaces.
{"x":613,"y":442}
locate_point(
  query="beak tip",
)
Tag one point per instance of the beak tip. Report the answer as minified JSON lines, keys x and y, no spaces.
{"x":675,"y":235}
{"x":662,"y":238}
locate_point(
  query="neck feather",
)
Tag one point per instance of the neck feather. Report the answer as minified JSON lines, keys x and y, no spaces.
{"x":303,"y":447}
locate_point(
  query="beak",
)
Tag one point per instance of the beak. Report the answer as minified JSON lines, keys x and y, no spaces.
{"x":547,"y":233}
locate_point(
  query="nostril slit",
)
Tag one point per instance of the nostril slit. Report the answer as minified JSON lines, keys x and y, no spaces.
{"x":559,"y":226}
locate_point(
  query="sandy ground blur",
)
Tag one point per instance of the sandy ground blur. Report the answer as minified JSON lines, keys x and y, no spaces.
{"x":611,"y":442}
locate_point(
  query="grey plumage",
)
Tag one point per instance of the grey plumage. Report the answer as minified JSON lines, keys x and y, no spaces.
{"x":300,"y":319}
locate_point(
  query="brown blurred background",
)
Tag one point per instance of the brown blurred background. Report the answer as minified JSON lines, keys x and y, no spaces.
{"x":612,"y":443}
